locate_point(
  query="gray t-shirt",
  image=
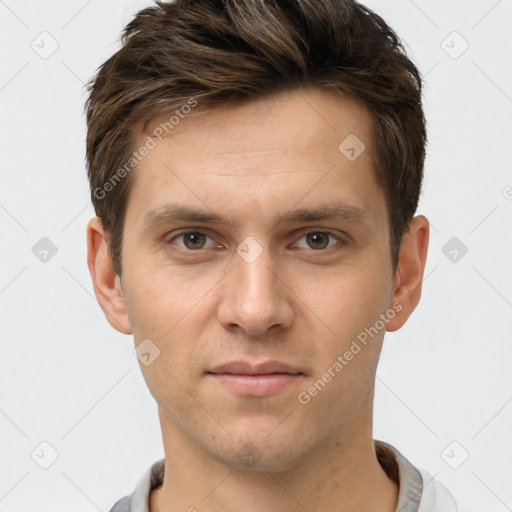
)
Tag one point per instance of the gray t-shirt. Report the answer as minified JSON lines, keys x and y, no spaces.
{"x":418,"y":490}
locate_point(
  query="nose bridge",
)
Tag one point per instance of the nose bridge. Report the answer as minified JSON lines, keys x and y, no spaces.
{"x":254,"y":298}
{"x":257,"y":280}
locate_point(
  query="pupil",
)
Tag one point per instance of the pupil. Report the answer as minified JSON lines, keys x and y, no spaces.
{"x":317,"y":240}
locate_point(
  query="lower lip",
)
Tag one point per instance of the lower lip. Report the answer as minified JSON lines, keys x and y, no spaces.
{"x":256,"y":385}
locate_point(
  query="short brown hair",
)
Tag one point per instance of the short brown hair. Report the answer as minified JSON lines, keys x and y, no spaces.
{"x":226,"y":51}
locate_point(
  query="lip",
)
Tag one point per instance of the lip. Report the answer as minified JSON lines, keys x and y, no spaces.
{"x":255,"y":379}
{"x":263,"y":368}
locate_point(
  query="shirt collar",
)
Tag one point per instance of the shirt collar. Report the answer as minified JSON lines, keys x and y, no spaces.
{"x":406,"y":476}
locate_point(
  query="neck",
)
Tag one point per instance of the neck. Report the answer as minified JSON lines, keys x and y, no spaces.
{"x":342,"y":476}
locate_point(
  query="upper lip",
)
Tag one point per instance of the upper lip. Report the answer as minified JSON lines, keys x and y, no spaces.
{"x":247,"y":368}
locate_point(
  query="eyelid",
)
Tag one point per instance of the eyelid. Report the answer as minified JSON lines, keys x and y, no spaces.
{"x":187,"y":231}
{"x":342,"y":240}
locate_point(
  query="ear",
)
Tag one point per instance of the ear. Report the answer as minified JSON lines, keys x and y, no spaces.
{"x":107,"y":284}
{"x":409,"y":274}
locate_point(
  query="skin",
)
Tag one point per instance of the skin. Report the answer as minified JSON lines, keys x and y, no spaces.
{"x":296,"y":303}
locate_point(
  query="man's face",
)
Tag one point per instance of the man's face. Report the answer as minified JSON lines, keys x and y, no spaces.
{"x":260,"y":282}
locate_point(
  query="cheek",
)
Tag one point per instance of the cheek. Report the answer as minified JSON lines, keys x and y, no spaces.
{"x":346,"y":300}
{"x":344,"y":311}
{"x":173,"y":310}
{"x":347,"y":345}
{"x":160,"y":300}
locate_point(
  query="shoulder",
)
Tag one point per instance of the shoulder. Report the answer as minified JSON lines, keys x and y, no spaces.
{"x":419,"y":491}
{"x":122,"y":505}
{"x":435,"y":496}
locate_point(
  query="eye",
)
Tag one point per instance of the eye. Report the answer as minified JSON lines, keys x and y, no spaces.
{"x":318,"y":240}
{"x":192,"y":240}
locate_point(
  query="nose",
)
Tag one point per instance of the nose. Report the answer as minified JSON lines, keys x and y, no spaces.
{"x":255,"y":298}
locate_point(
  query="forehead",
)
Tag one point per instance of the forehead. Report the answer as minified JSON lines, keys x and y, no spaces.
{"x":302,"y":120}
{"x":303,"y":142}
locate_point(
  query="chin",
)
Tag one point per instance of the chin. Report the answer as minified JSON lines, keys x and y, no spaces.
{"x":251,"y":457}
{"x":262,"y":445}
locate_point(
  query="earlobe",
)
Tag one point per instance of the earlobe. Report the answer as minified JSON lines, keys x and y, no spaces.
{"x":409,"y":274}
{"x":107,"y":284}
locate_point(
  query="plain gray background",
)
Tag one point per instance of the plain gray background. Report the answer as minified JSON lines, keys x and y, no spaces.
{"x":69,"y":380}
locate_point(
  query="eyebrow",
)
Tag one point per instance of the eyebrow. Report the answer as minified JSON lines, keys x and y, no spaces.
{"x":339,"y":210}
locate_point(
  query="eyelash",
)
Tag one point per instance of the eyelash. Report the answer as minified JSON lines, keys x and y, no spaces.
{"x":341,"y":241}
